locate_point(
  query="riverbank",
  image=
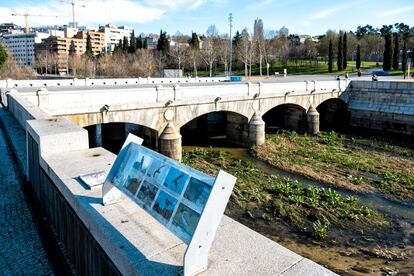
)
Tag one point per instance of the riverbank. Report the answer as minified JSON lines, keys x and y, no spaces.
{"x":348,"y":162}
{"x":334,"y":230}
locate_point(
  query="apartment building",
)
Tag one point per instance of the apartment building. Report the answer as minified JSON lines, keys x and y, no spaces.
{"x":22,"y":46}
{"x":113,"y":34}
{"x":61,"y":47}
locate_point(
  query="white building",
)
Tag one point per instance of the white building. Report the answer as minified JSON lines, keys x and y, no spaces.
{"x":21,"y":46}
{"x":113,"y":34}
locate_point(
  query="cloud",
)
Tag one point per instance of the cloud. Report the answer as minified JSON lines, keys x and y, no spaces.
{"x":395,"y":11}
{"x":330,"y":11}
{"x":98,"y":12}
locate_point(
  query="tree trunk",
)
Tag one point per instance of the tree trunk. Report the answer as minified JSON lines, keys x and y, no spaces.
{"x":260,"y":64}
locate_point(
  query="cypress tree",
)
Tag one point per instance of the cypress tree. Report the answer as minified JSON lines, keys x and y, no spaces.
{"x":330,"y":57}
{"x":88,"y":51}
{"x":125,"y":44}
{"x":345,"y":52}
{"x":139,"y":42}
{"x":358,"y":57}
{"x":387,"y":63}
{"x":145,"y":44}
{"x":195,"y":42}
{"x":120,"y":46}
{"x":133,"y":43}
{"x":236,"y":38}
{"x":340,"y":59}
{"x":163,"y":45}
{"x":396,"y":53}
{"x":404,"y":59}
{"x":3,"y":56}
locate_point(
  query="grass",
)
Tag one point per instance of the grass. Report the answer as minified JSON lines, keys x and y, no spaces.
{"x":277,"y":197}
{"x":344,"y":161}
{"x":304,"y":67}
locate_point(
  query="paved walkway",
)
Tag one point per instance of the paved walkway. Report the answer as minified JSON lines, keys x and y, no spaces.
{"x":21,"y":251}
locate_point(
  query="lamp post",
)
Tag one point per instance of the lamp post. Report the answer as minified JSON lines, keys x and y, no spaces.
{"x":231,"y":43}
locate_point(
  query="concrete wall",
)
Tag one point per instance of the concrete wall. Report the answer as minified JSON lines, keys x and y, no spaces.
{"x":23,"y":110}
{"x":382,"y":105}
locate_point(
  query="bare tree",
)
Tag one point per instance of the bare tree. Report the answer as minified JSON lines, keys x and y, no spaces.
{"x":222,"y":48}
{"x":193,"y":58}
{"x":178,"y":51}
{"x":208,"y":52}
{"x":246,"y":52}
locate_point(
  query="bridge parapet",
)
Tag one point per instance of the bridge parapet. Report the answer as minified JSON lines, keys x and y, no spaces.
{"x":10,"y":83}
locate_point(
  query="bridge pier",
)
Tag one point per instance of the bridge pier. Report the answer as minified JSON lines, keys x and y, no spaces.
{"x":237,"y":129}
{"x":256,"y":130}
{"x":312,"y":117}
{"x":98,"y":135}
{"x":170,"y":142}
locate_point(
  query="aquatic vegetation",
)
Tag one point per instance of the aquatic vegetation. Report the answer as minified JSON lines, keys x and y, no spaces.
{"x":349,"y":162}
{"x":320,"y":229}
{"x":281,"y":197}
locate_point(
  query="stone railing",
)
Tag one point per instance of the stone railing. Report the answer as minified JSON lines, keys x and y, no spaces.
{"x":104,"y":82}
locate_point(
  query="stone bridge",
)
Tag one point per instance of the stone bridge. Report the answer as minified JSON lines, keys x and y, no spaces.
{"x":167,"y":108}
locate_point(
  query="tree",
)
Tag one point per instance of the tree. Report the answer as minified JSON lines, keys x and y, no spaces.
{"x":404,"y":59}
{"x":178,"y":52}
{"x":118,"y":48}
{"x":145,"y":44}
{"x":236,"y":38}
{"x":246,"y":52}
{"x":139,"y":42}
{"x":193,"y":52}
{"x":387,"y":63}
{"x":195,"y":41}
{"x":88,"y":52}
{"x":223,"y":48}
{"x":125,"y":44}
{"x":209,"y":50}
{"x":3,"y":56}
{"x":358,"y":58}
{"x":132,"y":43}
{"x":163,"y":44}
{"x":345,"y":52}
{"x":330,"y":57}
{"x":340,"y":59}
{"x":396,"y":52}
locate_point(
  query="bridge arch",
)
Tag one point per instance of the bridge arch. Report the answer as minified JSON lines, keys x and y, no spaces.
{"x":216,"y":128}
{"x":288,"y":116}
{"x":333,"y":114}
{"x":112,"y":135}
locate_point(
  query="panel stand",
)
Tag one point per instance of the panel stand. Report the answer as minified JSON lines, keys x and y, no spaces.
{"x":110,"y":193}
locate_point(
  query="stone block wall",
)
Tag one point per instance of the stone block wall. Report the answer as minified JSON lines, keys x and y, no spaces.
{"x":384,"y":105}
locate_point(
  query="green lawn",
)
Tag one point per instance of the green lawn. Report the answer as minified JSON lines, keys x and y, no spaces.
{"x":303,"y":67}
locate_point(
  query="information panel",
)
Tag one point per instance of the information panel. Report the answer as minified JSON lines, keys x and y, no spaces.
{"x":171,"y":192}
{"x":188,"y":202}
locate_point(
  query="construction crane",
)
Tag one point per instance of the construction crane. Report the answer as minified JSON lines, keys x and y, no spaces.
{"x":26,"y":15}
{"x":73,"y":3}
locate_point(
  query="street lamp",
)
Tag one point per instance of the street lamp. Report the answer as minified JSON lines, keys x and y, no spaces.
{"x":230,"y":41}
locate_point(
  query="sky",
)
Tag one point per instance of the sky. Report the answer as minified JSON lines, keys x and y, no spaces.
{"x":311,"y":17}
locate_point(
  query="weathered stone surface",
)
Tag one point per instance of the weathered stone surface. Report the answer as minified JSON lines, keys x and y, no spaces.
{"x":384,"y":105}
{"x":312,"y":117}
